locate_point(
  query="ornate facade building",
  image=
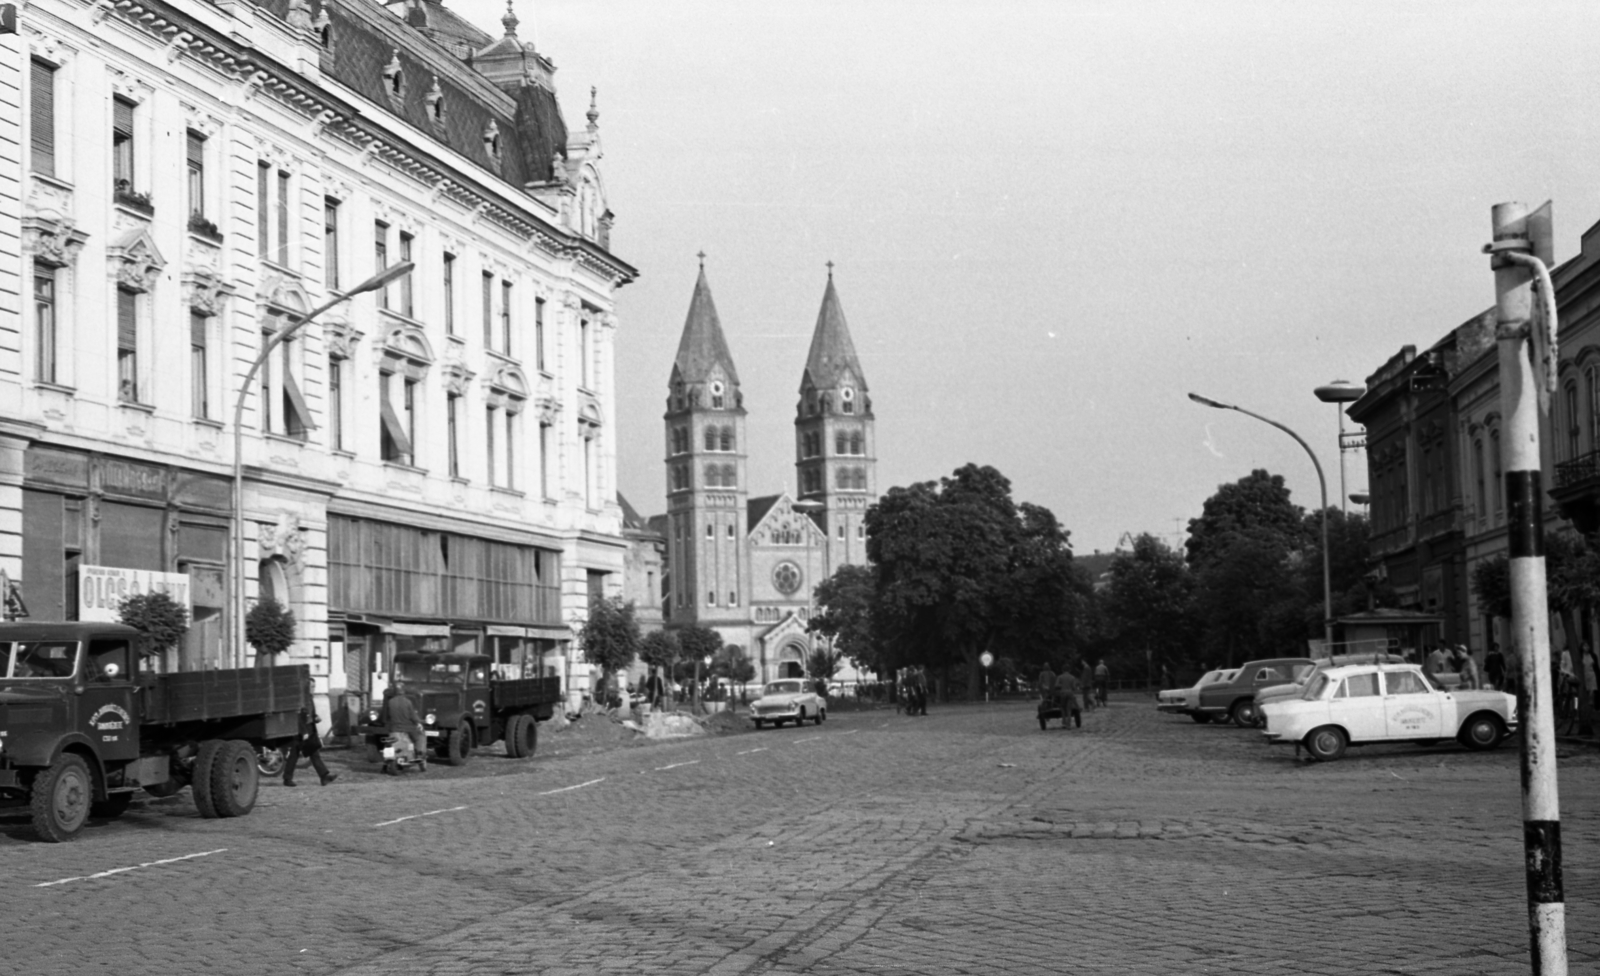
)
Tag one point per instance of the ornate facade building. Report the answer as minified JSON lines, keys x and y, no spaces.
{"x":427,"y":465}
{"x":746,"y":567}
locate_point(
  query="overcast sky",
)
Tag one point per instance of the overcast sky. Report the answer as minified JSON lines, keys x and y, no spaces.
{"x":1052,"y":220}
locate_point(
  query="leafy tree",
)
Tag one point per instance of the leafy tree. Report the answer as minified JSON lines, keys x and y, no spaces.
{"x":1491,"y":584}
{"x":844,"y":614}
{"x":1148,"y":602}
{"x":659,"y":649}
{"x":822,"y":662}
{"x":1254,"y":505}
{"x":269,"y":627}
{"x":734,"y":664}
{"x":698,"y":643}
{"x":160,"y":620}
{"x":610,"y":637}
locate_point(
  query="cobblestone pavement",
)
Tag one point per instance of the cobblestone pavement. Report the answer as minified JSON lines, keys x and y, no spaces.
{"x":964,"y":842}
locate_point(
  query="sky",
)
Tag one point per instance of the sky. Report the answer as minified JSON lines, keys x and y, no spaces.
{"x":1052,"y":220}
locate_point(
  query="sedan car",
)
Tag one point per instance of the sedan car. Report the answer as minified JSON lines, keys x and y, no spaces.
{"x":1366,"y":703}
{"x":789,"y":700}
{"x":1186,"y":701}
{"x":1294,"y":689}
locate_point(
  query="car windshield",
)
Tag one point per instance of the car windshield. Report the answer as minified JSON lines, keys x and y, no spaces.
{"x":1302,"y":671}
{"x":1316,"y":687}
{"x":1210,"y":677}
{"x":423,"y":671}
{"x":38,"y":659}
{"x":782,"y":688}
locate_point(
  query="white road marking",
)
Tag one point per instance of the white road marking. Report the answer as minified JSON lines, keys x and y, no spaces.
{"x":676,"y":765}
{"x":147,"y":864}
{"x":749,"y":751}
{"x":851,"y":732}
{"x":430,"y":813}
{"x":809,"y":738}
{"x":578,"y":787}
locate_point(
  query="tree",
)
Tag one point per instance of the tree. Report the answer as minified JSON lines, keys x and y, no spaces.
{"x":610,"y":637}
{"x":160,"y":620}
{"x":1148,"y":602}
{"x":659,"y":649}
{"x":698,"y":643}
{"x":844,"y":615}
{"x":822,"y":662}
{"x":269,"y":627}
{"x":734,"y":664}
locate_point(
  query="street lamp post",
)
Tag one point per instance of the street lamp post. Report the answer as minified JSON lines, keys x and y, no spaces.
{"x":1336,"y":393}
{"x":1322,"y":482}
{"x":377,"y":281}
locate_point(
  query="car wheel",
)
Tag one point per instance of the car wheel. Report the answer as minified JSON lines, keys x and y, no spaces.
{"x":1482,"y":732}
{"x":61,"y":798}
{"x":1244,"y":714}
{"x":822,"y":716}
{"x":1326,"y":743}
{"x":801,"y":720}
{"x":1200,"y":718}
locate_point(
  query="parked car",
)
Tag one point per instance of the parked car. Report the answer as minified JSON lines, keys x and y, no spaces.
{"x":1234,"y":699}
{"x":1186,"y":701}
{"x":1293,"y":689}
{"x":789,"y":700}
{"x":1365,"y":703}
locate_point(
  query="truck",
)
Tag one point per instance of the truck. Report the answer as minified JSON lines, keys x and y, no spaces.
{"x":462,"y":703}
{"x":83,"y":727}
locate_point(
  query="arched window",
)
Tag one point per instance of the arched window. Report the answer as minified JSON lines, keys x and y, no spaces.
{"x":730,"y":476}
{"x":1591,"y":381}
{"x":841,"y":443}
{"x":727,"y":438}
{"x":713,"y":476}
{"x":711,"y":438}
{"x":1477,"y":477}
{"x":861,"y":479}
{"x":1494,"y":463}
{"x":1570,"y":402}
{"x":677,"y":396}
{"x":855,"y":442}
{"x":844,"y":478}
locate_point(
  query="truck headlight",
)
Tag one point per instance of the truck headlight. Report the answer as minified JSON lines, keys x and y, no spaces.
{"x":432,"y":718}
{"x":372,"y":717}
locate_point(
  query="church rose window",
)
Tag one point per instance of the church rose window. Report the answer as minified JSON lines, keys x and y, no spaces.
{"x":786,"y":577}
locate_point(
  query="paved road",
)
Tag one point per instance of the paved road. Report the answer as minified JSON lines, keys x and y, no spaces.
{"x":964,"y":842}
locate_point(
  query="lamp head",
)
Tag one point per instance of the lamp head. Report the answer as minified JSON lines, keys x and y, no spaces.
{"x":388,"y":275}
{"x":1208,"y":402}
{"x":1340,"y":391}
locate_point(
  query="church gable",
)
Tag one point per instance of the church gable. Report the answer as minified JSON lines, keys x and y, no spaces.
{"x":782,"y":525}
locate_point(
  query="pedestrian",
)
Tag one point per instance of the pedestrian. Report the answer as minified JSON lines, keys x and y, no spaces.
{"x":1102,"y":681}
{"x":654,"y":688}
{"x":1047,"y":681}
{"x":1438,"y":661}
{"x":1494,"y":667}
{"x":309,"y":741}
{"x":1467,"y":667}
{"x":1587,"y":666}
{"x":401,"y":716}
{"x":1070,"y":696}
{"x":1166,"y":676}
{"x":916,"y":692}
{"x":1086,"y":681}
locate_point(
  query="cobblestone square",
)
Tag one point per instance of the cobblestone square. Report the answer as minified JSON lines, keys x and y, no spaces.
{"x":964,"y":842}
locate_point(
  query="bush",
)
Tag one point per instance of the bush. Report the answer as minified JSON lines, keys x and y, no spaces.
{"x":158,"y":617}
{"x":269,"y":627}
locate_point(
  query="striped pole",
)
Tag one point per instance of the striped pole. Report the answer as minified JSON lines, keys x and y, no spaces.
{"x":1520,"y":377}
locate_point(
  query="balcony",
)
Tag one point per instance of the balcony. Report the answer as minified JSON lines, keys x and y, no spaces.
{"x":1576,"y":490}
{"x":1577,"y":472}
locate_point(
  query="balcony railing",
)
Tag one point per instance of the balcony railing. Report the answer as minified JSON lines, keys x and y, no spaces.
{"x":1570,"y":474}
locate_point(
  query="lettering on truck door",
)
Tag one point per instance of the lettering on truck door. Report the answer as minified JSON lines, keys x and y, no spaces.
{"x":1411,"y":708}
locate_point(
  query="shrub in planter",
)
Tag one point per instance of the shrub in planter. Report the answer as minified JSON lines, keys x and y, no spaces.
{"x":161,"y":620}
{"x":269,"y":627}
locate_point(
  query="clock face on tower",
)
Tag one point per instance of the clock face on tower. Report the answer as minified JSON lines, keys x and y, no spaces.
{"x":786,"y":577}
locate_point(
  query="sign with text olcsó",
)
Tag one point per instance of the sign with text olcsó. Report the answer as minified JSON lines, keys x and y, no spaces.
{"x":101,"y":590}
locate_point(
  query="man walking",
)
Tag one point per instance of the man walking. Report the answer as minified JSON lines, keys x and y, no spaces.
{"x":310,"y":743}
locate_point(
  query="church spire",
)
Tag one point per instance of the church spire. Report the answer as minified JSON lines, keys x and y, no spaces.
{"x":832,"y":361}
{"x":702,"y":348}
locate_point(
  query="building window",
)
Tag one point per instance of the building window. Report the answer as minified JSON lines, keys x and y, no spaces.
{"x":841,"y":533}
{"x":489,"y":424}
{"x":407,"y":306}
{"x":336,"y":403}
{"x":856,"y":443}
{"x":263,"y":210}
{"x":711,"y":438}
{"x":42,"y":119}
{"x":488,"y":310}
{"x":1570,"y":396}
{"x":394,"y":436}
{"x":1477,"y":476}
{"x":408,"y":416}
{"x":505,"y":317}
{"x":1591,"y":382}
{"x":197,"y":174}
{"x":713,"y":476}
{"x":511,"y":449}
{"x":538,"y":332}
{"x":841,"y":443}
{"x":380,"y":257}
{"x":122,"y":144}
{"x":44,"y":323}
{"x":585,"y":353}
{"x":330,"y":242}
{"x":452,"y":404}
{"x":727,"y":438}
{"x":861,"y":532}
{"x":544,"y":459}
{"x":449,"y":294}
{"x":293,"y":417}
{"x":711,"y":532}
{"x":199,"y":373}
{"x":730,"y":477}
{"x":283,"y":218}
{"x":717,"y":390}
{"x":1499,"y":482}
{"x":733,"y":598}
{"x":711,"y":598}
{"x":730,"y":530}
{"x":127,"y":346}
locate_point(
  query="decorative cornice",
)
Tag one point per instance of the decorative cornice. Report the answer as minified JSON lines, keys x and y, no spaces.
{"x":55,"y":242}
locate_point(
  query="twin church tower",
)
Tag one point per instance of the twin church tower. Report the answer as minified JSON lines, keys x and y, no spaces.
{"x":745,"y":566}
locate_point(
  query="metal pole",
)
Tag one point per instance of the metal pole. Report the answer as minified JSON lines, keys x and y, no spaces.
{"x":1342,"y":506}
{"x":1530,"y":619}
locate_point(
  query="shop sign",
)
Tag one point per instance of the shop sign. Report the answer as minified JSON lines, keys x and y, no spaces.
{"x":101,"y":590}
{"x":132,"y":478}
{"x":203,"y":491}
{"x":57,"y":467}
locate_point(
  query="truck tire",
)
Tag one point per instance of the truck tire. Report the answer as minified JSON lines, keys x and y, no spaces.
{"x":61,"y":798}
{"x":111,"y":807}
{"x":459,"y":748}
{"x":235,"y":780}
{"x":204,"y":762}
{"x":521,"y":736}
{"x":509,"y":729}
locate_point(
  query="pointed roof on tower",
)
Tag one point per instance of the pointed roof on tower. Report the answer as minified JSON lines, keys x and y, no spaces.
{"x":832,"y":353}
{"x":703,"y":346}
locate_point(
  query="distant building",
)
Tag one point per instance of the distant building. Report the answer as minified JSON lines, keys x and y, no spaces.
{"x":429,"y":466}
{"x":746,"y":567}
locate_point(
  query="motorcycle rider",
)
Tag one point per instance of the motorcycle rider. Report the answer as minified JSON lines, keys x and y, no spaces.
{"x":401,"y":717}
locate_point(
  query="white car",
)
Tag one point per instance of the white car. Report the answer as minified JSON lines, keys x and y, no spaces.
{"x":789,"y":700}
{"x":1184,"y":701}
{"x":1358,"y":704}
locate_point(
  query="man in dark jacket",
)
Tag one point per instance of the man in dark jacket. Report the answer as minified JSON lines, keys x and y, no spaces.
{"x":401,"y":717}
{"x":309,"y":741}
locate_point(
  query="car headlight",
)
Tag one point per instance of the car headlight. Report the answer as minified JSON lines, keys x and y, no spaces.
{"x":432,"y":718}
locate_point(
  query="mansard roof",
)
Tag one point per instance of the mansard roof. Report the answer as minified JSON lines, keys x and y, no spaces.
{"x":703,"y":347}
{"x":833,"y":355}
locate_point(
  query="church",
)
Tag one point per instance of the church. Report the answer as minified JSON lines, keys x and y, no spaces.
{"x":746,"y":566}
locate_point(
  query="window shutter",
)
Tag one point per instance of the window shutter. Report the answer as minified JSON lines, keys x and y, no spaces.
{"x":302,"y":413}
{"x":127,"y":321}
{"x":197,"y":149}
{"x":392,"y":426}
{"x":43,"y":120}
{"x":122,"y":118}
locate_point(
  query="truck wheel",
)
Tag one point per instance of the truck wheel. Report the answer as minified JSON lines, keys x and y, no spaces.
{"x":234,"y":779}
{"x":1482,"y":732}
{"x":528,"y":737}
{"x":111,"y":807}
{"x":460,"y":745}
{"x":1244,"y":713}
{"x":1326,"y":743}
{"x":509,"y":731}
{"x":61,"y":798}
{"x":204,"y":763}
